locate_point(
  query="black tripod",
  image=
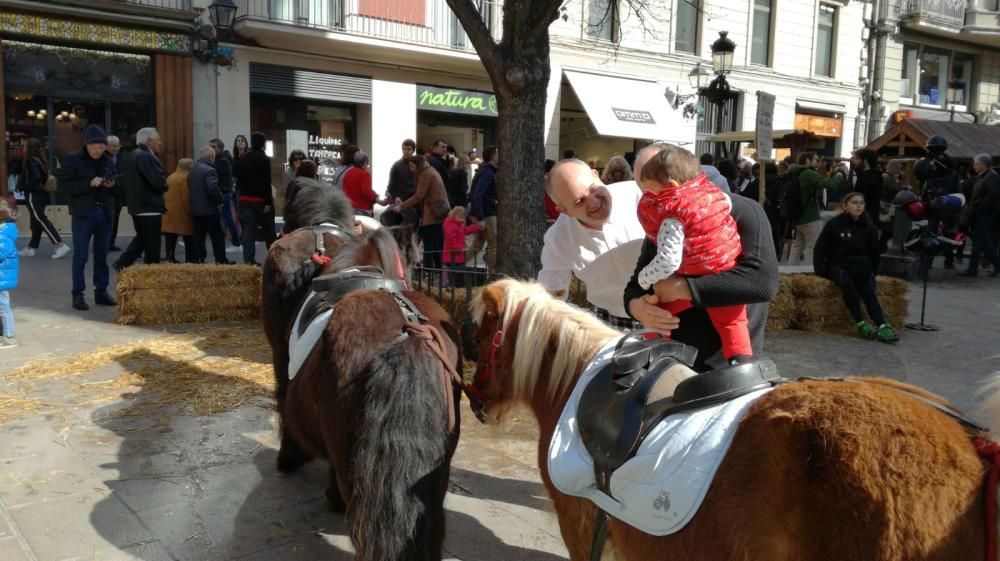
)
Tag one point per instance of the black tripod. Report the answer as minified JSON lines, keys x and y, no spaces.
{"x":925,"y":265}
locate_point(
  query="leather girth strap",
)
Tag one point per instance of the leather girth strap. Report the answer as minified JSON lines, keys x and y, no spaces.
{"x":434,"y":340}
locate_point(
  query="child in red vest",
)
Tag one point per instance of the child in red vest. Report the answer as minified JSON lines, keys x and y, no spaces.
{"x":688,"y":218}
{"x":455,"y":231}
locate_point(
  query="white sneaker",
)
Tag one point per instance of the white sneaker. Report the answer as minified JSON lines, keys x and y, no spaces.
{"x":61,"y":251}
{"x":7,"y":342}
{"x":234,"y":249}
{"x":27,"y":252}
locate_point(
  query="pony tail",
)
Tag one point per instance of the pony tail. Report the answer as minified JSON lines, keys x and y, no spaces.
{"x":401,"y":458}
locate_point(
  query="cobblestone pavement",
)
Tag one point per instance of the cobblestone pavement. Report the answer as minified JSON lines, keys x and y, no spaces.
{"x":78,"y":483}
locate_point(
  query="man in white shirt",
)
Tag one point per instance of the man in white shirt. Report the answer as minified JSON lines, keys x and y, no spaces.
{"x":596,"y":238}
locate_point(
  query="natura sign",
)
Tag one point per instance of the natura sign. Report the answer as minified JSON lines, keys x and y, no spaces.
{"x":456,"y":101}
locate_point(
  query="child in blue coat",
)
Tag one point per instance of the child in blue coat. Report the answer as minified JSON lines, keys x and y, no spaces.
{"x":8,"y":268}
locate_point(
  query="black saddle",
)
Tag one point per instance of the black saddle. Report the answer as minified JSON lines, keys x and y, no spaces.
{"x":327,"y":290}
{"x":618,"y":407}
{"x":620,"y":404}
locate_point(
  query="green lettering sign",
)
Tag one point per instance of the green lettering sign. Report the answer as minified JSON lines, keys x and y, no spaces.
{"x":456,"y":101}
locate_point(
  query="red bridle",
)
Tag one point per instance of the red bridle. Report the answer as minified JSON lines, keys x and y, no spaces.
{"x":477,"y":398}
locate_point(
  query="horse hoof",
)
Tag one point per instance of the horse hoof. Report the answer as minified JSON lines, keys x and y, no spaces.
{"x":288,"y":463}
{"x":333,"y":502}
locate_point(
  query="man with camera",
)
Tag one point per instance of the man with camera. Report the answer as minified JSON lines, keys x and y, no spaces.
{"x":88,"y":177}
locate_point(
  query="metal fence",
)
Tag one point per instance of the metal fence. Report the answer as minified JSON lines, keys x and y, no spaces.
{"x":422,"y":22}
{"x":946,"y":12}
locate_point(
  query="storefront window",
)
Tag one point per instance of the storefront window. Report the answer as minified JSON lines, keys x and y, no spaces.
{"x":927,"y":72}
{"x":53,"y":93}
{"x":321,"y":130}
{"x":933,"y":77}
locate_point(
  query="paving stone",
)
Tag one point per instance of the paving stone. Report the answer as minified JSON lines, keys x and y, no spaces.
{"x":11,"y":550}
{"x":78,"y":526}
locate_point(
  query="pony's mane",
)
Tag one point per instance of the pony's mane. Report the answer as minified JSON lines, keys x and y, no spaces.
{"x":577,"y":335}
{"x":315,"y":202}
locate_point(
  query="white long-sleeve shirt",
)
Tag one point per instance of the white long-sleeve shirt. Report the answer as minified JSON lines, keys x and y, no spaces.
{"x":603,"y":259}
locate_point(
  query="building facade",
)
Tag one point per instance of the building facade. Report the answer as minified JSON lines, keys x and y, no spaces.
{"x":121,"y":65}
{"x":935,"y":60}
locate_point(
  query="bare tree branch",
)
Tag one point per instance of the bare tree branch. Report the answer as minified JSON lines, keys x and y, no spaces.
{"x":472,"y":21}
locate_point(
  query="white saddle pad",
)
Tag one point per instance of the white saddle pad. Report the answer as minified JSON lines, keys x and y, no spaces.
{"x":660,"y":489}
{"x":300,"y":347}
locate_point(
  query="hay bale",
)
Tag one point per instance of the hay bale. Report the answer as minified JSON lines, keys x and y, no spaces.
{"x":819,"y":304}
{"x":781,"y":312}
{"x":187,"y":293}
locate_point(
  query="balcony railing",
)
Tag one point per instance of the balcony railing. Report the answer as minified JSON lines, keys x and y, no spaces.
{"x":945,"y":13}
{"x":177,"y":5}
{"x":421,"y":22}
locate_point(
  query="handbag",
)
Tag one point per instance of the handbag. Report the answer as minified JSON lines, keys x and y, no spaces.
{"x":51,"y":184}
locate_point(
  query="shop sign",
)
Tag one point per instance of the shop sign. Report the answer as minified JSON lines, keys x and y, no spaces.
{"x":456,"y":101}
{"x":96,"y":33}
{"x":324,"y":148}
{"x":634,"y":116}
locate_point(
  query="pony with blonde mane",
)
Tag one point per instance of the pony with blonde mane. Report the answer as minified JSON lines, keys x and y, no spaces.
{"x":851,"y":470}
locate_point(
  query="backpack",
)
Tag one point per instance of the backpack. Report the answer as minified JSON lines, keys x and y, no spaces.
{"x":791,"y":200}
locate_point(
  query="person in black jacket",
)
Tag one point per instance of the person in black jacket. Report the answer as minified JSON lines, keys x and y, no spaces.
{"x":224,"y":168}
{"x":868,"y":180}
{"x":436,"y":159}
{"x":144,"y":184}
{"x":753,"y":282}
{"x":253,"y":174}
{"x":88,"y":178}
{"x":35,"y":170}
{"x":982,"y":215}
{"x":484,"y":206}
{"x":402,"y":186}
{"x":459,"y":182}
{"x":847,"y":252}
{"x":206,"y":198}
{"x":114,"y":151}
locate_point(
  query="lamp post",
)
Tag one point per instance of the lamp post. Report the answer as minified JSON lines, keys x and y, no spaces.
{"x":955,"y":95}
{"x":718,"y":91}
{"x":222,"y":14}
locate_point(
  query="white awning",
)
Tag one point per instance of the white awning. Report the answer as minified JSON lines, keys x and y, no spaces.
{"x":815,"y":105}
{"x":630,"y":108}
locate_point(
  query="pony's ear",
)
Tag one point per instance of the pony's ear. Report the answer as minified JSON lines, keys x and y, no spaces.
{"x":493,"y":298}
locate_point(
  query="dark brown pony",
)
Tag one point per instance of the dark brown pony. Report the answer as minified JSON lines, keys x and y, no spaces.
{"x":817,"y":471}
{"x":370,"y":399}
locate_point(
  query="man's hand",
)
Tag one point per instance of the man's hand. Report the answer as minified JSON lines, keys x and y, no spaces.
{"x":108,"y":183}
{"x":96,"y":182}
{"x":651,"y":316}
{"x":673,"y":288}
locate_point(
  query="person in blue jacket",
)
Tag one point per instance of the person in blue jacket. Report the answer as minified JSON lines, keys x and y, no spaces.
{"x":8,"y":268}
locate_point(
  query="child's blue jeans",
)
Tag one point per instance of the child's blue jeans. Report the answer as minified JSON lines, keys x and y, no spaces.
{"x":6,"y":316}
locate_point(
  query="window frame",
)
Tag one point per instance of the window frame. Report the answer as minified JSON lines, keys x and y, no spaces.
{"x":952,"y":54}
{"x":832,"y":71}
{"x":594,"y":33}
{"x":769,"y":45}
{"x":697,"y":6}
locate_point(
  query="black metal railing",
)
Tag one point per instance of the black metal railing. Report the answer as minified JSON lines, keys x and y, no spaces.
{"x":177,"y":5}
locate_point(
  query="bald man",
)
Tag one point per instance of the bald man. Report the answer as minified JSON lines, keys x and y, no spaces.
{"x":596,"y":238}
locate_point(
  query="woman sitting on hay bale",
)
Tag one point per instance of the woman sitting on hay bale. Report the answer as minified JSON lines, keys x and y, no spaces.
{"x":847,"y":253}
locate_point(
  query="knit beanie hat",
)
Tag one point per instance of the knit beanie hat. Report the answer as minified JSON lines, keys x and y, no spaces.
{"x":95,"y":135}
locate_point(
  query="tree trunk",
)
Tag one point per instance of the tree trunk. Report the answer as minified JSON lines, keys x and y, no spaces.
{"x":520,"y":192}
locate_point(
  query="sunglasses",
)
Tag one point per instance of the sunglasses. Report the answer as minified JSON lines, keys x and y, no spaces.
{"x":297,"y":159}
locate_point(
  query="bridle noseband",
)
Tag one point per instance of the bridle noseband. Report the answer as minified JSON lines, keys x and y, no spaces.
{"x":477,"y":399}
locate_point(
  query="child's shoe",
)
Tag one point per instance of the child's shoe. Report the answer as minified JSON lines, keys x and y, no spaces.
{"x":867,"y":330}
{"x":886,"y":334}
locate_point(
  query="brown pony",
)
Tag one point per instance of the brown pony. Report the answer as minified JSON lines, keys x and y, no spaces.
{"x":817,"y":471}
{"x":370,"y":399}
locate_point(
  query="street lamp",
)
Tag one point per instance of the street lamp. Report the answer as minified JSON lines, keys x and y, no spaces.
{"x":718,"y":91}
{"x":222,"y":14}
{"x":697,"y":74}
